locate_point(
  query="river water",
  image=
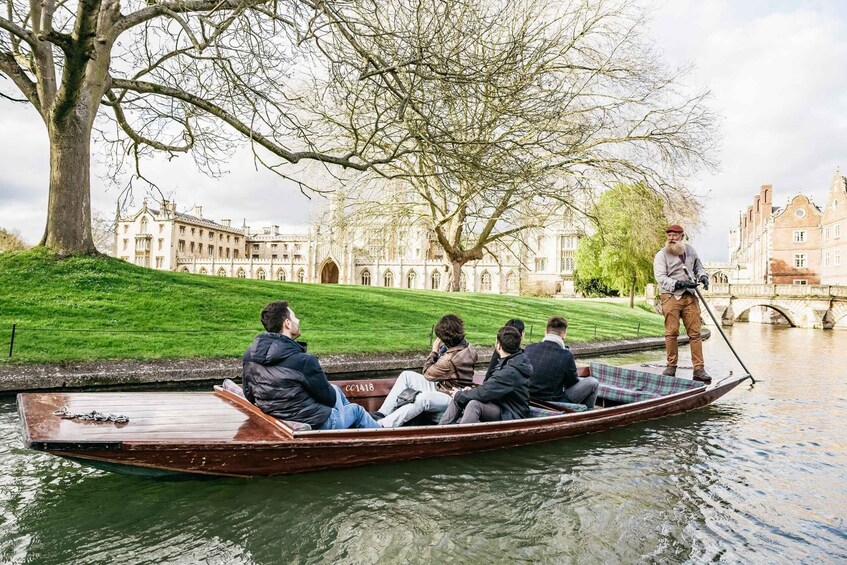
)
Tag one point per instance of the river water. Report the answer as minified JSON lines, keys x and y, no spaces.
{"x":759,"y":477}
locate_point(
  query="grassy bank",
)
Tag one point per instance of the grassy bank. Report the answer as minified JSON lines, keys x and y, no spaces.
{"x":144,"y":314}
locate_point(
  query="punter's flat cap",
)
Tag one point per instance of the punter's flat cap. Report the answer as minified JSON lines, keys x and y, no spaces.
{"x":674,"y":228}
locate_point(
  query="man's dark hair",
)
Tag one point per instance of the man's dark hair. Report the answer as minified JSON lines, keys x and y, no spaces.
{"x":450,"y":329}
{"x":557,"y":325}
{"x":273,"y":316}
{"x":516,"y":323}
{"x":509,"y":339}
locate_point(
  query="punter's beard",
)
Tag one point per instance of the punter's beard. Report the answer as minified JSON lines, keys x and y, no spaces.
{"x":675,"y":248}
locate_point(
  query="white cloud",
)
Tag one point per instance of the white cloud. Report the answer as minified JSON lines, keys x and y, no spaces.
{"x":776,"y":77}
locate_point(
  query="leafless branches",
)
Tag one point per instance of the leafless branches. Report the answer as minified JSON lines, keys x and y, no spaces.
{"x":509,"y":111}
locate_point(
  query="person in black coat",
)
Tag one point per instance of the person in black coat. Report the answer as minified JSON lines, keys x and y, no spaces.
{"x":502,"y":396}
{"x":516,"y":323}
{"x":554,"y":375}
{"x":287,"y":383}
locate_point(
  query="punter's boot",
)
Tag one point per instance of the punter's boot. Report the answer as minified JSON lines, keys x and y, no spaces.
{"x":702,"y":375}
{"x":670,"y":371}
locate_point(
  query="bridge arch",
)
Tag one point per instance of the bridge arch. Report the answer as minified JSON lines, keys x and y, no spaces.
{"x":741,"y":311}
{"x":838,"y":315}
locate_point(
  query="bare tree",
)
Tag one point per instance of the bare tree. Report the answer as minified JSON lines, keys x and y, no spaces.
{"x":103,"y":232}
{"x":514,"y":109}
{"x":171,"y":76}
{"x":10,"y":240}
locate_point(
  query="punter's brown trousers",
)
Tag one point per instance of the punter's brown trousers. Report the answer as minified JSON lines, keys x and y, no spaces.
{"x":688,"y":308}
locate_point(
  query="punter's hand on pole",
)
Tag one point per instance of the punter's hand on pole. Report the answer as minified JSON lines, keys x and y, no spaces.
{"x":684,"y":284}
{"x":704,"y":280}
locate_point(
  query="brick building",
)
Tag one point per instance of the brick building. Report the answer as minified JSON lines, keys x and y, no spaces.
{"x":798,"y":243}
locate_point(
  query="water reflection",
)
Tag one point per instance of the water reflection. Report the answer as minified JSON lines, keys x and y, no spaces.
{"x":757,"y":477}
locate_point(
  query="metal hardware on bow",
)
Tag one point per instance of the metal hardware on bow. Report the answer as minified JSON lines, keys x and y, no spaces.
{"x":93,"y":416}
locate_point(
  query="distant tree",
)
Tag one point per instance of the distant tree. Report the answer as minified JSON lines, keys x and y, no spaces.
{"x":513,"y":109}
{"x":630,"y":229}
{"x":103,"y":232}
{"x":591,"y":287}
{"x":11,"y":241}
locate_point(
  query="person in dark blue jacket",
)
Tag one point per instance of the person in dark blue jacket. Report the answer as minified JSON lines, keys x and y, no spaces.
{"x":286,"y":382}
{"x":502,"y":396}
{"x":554,"y":375}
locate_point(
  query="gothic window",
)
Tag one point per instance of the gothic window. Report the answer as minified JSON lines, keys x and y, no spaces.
{"x":280,"y":275}
{"x":510,"y":282}
{"x":435,"y":280}
{"x":260,"y":274}
{"x":143,"y":225}
{"x":410,"y":279}
{"x":221,"y":272}
{"x":241,"y":274}
{"x":388,"y":279}
{"x":301,"y":276}
{"x":203,"y":271}
{"x":366,"y":278}
{"x":485,"y":282}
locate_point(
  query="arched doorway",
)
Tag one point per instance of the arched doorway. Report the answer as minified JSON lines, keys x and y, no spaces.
{"x":329,"y":274}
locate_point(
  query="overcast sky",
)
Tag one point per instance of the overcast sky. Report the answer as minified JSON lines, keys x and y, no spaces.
{"x":777,"y":71}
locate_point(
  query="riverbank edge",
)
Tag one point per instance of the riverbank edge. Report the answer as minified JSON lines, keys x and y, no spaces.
{"x":110,"y":373}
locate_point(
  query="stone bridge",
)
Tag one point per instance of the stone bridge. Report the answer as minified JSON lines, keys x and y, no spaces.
{"x":804,"y":306}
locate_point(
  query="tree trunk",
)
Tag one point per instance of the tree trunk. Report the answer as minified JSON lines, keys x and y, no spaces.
{"x":632,"y":293}
{"x":456,"y":276}
{"x":68,"y":228}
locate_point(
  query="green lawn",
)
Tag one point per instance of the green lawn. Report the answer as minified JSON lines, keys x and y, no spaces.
{"x":144,"y":314}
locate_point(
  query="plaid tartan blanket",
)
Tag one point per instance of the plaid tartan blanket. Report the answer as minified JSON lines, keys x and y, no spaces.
{"x":629,"y":385}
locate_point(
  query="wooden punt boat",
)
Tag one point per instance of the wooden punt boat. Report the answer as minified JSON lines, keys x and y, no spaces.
{"x":220,"y":433}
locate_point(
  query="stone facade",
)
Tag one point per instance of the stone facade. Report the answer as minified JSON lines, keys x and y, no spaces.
{"x":796,"y":244}
{"x":834,"y":234}
{"x":377,"y":254}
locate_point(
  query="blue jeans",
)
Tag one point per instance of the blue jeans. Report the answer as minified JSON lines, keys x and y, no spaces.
{"x":346,"y":415}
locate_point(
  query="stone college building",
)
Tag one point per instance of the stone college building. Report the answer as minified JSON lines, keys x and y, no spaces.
{"x":379,"y":254}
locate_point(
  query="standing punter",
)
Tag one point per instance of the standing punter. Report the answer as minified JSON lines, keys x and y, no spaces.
{"x":673,"y":266}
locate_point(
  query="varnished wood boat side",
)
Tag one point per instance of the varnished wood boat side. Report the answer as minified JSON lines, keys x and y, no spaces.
{"x":310,"y":451}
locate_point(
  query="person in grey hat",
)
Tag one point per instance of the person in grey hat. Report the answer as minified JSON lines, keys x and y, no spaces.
{"x":673,"y":267}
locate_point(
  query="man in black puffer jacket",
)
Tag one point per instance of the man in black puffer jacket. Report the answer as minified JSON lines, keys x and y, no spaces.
{"x":502,"y":396}
{"x":286,"y":382}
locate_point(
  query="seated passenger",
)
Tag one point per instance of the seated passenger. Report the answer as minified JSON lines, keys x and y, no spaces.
{"x":554,"y":370}
{"x":449,"y":365}
{"x":502,"y":396}
{"x":286,"y":382}
{"x":516,"y":323}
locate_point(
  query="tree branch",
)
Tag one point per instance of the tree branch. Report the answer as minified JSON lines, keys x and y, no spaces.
{"x":10,"y":68}
{"x":241,"y":127}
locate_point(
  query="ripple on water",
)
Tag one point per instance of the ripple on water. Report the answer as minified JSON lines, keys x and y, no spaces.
{"x":759,"y":477}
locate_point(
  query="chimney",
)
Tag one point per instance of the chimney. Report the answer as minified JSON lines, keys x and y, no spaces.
{"x":275,"y":230}
{"x":198,"y":211}
{"x":226,"y":223}
{"x":767,"y":193}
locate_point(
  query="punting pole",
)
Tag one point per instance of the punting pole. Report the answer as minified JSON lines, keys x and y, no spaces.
{"x":717,"y":323}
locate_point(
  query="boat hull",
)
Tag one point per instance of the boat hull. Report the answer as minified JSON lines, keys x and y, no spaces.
{"x":256,"y":448}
